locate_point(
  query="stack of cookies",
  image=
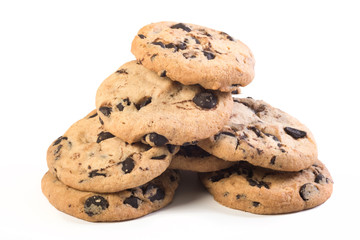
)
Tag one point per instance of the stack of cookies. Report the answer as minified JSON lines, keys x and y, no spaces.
{"x":172,"y":109}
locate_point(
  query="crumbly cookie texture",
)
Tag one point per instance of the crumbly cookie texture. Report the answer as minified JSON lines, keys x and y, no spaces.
{"x":107,"y":207}
{"x":135,"y":104}
{"x":193,"y":54}
{"x":264,"y":136}
{"x":193,"y":158}
{"x":264,"y":191}
{"x":89,"y":158}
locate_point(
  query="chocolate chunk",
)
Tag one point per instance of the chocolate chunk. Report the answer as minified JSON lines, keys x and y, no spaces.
{"x":272,"y":161}
{"x":120,"y":107}
{"x":295,"y":133}
{"x":189,"y":143}
{"x":307,"y":191}
{"x":105,"y":110}
{"x":122,"y":71}
{"x":128,"y":165}
{"x":227,"y":36}
{"x":255,"y":204}
{"x":256,"y":131}
{"x":217,"y":177}
{"x":103,"y":136}
{"x":92,"y":116}
{"x":95,"y":173}
{"x":159,"y":157}
{"x":57,"y":141}
{"x":132,"y":201}
{"x":143,"y":102}
{"x":320,"y":178}
{"x":158,"y":44}
{"x":258,"y":184}
{"x":208,"y":55}
{"x":154,"y":192}
{"x":171,"y":45}
{"x":171,"y":148}
{"x":163,"y":73}
{"x":95,"y":205}
{"x":205,"y":100}
{"x":157,"y":139}
{"x":193,"y":151}
{"x":181,"y":26}
{"x":141,"y":36}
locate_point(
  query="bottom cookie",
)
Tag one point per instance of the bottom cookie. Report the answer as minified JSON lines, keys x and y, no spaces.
{"x":263,"y":191}
{"x":109,"y":207}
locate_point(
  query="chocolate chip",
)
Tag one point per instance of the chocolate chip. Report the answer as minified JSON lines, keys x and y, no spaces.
{"x":143,"y":102}
{"x":154,"y":192}
{"x":217,"y":177}
{"x":95,"y":205}
{"x":295,"y":133}
{"x":320,"y":178}
{"x":205,"y":100}
{"x":272,"y":161}
{"x":208,"y":55}
{"x":159,"y":157}
{"x":236,"y":91}
{"x":153,"y":56}
{"x":157,"y":139}
{"x":132,"y":201}
{"x":122,"y":71}
{"x":158,"y":44}
{"x":101,"y":121}
{"x":120,"y":107}
{"x":141,"y":36}
{"x":92,"y":116}
{"x":255,"y":204}
{"x":196,"y":40}
{"x":181,"y":46}
{"x":106,"y":111}
{"x":103,"y":136}
{"x":163,"y":73}
{"x":189,"y":143}
{"x":128,"y":165}
{"x":181,"y":26}
{"x":95,"y":173}
{"x":57,"y":150}
{"x":57,"y":141}
{"x":258,"y":184}
{"x":307,"y":190}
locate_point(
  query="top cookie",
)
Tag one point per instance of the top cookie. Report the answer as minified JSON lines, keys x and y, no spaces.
{"x":264,"y":136}
{"x":135,"y":104}
{"x":193,"y":54}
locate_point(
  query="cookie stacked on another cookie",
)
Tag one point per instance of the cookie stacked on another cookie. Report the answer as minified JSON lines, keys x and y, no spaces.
{"x":171,"y":110}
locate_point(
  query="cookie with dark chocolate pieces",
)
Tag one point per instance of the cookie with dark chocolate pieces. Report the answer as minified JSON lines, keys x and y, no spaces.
{"x":265,"y":191}
{"x":193,"y":54}
{"x":89,"y":158}
{"x":193,"y":158}
{"x":108,"y":207}
{"x":263,"y":136}
{"x":142,"y":106}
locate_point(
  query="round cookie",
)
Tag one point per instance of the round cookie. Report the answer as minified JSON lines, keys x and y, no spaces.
{"x":89,"y":158}
{"x":108,"y":207}
{"x":265,"y":191}
{"x":135,"y":104}
{"x":263,"y":136}
{"x":193,"y":54}
{"x":193,"y":158}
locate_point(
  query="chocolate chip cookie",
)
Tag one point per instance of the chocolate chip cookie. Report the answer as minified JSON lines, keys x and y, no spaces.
{"x":193,"y":158}
{"x":135,"y":104}
{"x":193,"y":54}
{"x":89,"y":158}
{"x":263,"y":136}
{"x":106,"y":207}
{"x":264,"y":191}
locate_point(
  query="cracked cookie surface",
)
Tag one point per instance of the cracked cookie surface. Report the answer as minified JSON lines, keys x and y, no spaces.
{"x":135,"y":104}
{"x":265,"y":191}
{"x":89,"y":158}
{"x":107,"y":207}
{"x":193,"y":54}
{"x":193,"y":158}
{"x":263,"y":136}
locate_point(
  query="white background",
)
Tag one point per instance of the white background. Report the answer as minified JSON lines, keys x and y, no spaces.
{"x":54,"y":55}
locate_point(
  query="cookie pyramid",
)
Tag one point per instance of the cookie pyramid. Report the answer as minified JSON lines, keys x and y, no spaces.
{"x":170,"y":110}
